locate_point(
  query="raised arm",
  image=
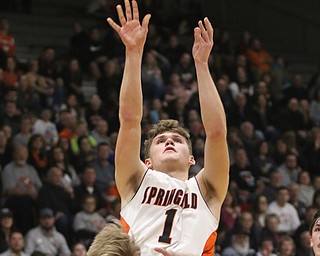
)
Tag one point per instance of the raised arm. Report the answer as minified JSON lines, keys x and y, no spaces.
{"x":214,"y":177}
{"x":129,"y":167}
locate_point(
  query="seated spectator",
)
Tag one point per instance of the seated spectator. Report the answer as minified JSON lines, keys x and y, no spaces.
{"x":38,"y":155}
{"x":59,"y":159}
{"x":88,"y":187}
{"x":288,"y":215}
{"x":24,"y":135}
{"x":88,"y":223}
{"x":286,"y":247}
{"x":53,"y":195}
{"x":10,"y":76}
{"x":100,"y":132}
{"x":7,"y":42}
{"x":295,"y":201}
{"x":230,"y":211}
{"x":45,"y":127}
{"x":16,"y":245}
{"x":240,"y":245}
{"x":20,"y":186}
{"x":271,"y":229}
{"x":45,"y":238}
{"x":259,"y":59}
{"x":259,"y":210}
{"x":315,"y":107}
{"x":296,"y":89}
{"x":266,"y":248}
{"x":79,"y":250}
{"x":303,"y":245}
{"x":104,"y":169}
{"x":289,"y":169}
{"x":97,"y":110}
{"x":306,"y":190}
{"x":6,"y":228}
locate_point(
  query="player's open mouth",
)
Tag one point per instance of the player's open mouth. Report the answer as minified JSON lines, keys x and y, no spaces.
{"x":169,"y":149}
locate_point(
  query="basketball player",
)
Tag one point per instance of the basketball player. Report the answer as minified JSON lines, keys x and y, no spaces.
{"x":315,"y":233}
{"x":161,"y":208}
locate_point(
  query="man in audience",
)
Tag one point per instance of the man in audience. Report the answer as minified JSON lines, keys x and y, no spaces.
{"x":45,"y":238}
{"x":16,"y":245}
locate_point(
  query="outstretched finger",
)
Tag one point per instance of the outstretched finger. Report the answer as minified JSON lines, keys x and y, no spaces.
{"x":128,"y":10}
{"x":197,"y":35}
{"x":135,"y":10}
{"x":145,"y":21}
{"x":114,"y":25}
{"x":121,"y":17}
{"x":204,"y":32}
{"x":209,"y":27}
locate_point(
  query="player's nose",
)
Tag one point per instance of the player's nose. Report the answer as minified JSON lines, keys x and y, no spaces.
{"x":169,"y":141}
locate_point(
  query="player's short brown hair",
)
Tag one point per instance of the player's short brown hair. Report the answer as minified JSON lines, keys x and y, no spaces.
{"x":316,"y":216}
{"x":112,"y":240}
{"x":168,"y":125}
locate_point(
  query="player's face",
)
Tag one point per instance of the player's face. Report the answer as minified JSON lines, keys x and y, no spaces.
{"x":315,"y":238}
{"x":168,"y":147}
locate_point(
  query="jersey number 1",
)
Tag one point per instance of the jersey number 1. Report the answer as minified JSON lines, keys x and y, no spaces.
{"x":165,"y":237}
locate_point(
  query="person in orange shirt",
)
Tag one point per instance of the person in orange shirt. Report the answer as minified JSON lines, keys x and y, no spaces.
{"x":259,"y":59}
{"x":7,"y":42}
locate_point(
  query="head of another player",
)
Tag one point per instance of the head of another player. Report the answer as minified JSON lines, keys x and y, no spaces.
{"x":168,"y":145}
{"x":315,"y":233}
{"x":112,"y":240}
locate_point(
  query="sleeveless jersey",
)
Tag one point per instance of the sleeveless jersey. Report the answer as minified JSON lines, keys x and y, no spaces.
{"x":169,"y":213}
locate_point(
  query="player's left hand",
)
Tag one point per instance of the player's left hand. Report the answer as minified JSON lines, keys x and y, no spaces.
{"x":163,"y":252}
{"x":203,"y":41}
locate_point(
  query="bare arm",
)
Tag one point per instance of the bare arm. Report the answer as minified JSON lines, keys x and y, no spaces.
{"x":129,"y":167}
{"x":214,"y":177}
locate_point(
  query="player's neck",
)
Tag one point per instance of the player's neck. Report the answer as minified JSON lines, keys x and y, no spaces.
{"x":174,"y":172}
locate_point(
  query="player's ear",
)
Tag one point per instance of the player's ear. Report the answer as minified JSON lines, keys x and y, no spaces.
{"x":192,"y":161}
{"x":148,"y":163}
{"x":311,"y":243}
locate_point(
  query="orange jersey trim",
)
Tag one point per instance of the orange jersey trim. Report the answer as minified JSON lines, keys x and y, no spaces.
{"x":208,"y":249}
{"x":125,"y":225}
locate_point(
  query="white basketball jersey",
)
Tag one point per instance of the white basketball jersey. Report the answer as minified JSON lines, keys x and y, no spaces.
{"x":169,"y":213}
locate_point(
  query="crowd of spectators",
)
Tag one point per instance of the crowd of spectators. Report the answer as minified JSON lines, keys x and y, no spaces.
{"x":56,"y":145}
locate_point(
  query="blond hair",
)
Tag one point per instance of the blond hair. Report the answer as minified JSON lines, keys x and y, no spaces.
{"x":168,"y":125}
{"x":112,"y":240}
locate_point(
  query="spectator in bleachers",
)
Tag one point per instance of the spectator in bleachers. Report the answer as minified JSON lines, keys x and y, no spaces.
{"x":185,"y":69}
{"x":47,"y":63}
{"x":288,"y":215}
{"x":296,"y":89}
{"x":38,"y":155}
{"x":95,"y":52}
{"x":295,"y":200}
{"x":10,"y":116}
{"x":100,"y":131}
{"x":73,"y":105}
{"x":104,"y":169}
{"x":315,"y":107}
{"x":54,"y":196}
{"x":44,"y":126}
{"x":78,"y":43}
{"x":43,"y":86}
{"x":241,"y":111}
{"x":67,"y":124}
{"x":316,"y":199}
{"x":88,"y":187}
{"x":259,"y":59}
{"x":24,"y":134}
{"x":230,"y":211}
{"x":286,"y":246}
{"x":10,"y":76}
{"x":6,"y":228}
{"x":306,"y":190}
{"x":173,"y":50}
{"x":45,"y":238}
{"x":95,"y":111}
{"x":225,"y":94}
{"x":16,"y":245}
{"x":79,"y":250}
{"x":262,"y":161}
{"x":20,"y":186}
{"x":28,"y":98}
{"x":260,"y":210}
{"x":7,"y":42}
{"x":72,"y":76}
{"x":58,"y":158}
{"x":266,"y":248}
{"x":243,"y":44}
{"x":289,"y":169}
{"x":87,"y":222}
{"x":312,"y":151}
{"x":303,"y":246}
{"x":241,"y":83}
{"x":271,"y":229}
